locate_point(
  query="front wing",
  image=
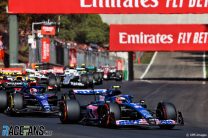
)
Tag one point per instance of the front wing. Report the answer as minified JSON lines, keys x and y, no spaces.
{"x":144,"y":122}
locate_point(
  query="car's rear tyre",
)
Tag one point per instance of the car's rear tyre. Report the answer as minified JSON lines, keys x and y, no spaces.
{"x":70,"y":111}
{"x":90,"y":81}
{"x":108,"y":114}
{"x":118,"y":76}
{"x":96,"y":76}
{"x":58,"y":80}
{"x":101,"y":81}
{"x":100,"y":75}
{"x":3,"y":101}
{"x":52,"y":80}
{"x":166,"y":111}
{"x":18,"y":101}
{"x":84,"y":79}
{"x":100,"y":78}
{"x":90,"y":78}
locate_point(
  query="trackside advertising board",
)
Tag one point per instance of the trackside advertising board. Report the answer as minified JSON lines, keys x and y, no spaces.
{"x":48,"y":30}
{"x":107,"y":6}
{"x":159,"y":37}
{"x":45,"y":50}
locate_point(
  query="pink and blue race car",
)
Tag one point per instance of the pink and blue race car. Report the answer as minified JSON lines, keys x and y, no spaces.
{"x":110,"y":108}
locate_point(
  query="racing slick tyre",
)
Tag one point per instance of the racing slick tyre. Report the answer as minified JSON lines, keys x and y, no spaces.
{"x":58,"y":81}
{"x":90,"y":81}
{"x":166,"y":111}
{"x":17,"y":101}
{"x":118,"y":76}
{"x":84,"y":79}
{"x":96,"y":77}
{"x":70,"y":111}
{"x":90,"y":78}
{"x":3,"y":101}
{"x":52,"y":80}
{"x":108,"y":114}
{"x":100,"y":75}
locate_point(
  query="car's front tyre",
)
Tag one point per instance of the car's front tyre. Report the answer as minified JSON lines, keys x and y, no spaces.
{"x":166,"y":111}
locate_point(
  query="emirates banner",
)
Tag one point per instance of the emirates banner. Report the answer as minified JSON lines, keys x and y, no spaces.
{"x":45,"y":50}
{"x":159,"y":37}
{"x":107,"y":6}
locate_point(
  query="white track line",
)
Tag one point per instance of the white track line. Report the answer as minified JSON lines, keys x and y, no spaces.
{"x":204,"y":67}
{"x":147,"y":81}
{"x":150,"y":64}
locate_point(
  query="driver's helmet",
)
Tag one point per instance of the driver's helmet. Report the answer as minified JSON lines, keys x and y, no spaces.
{"x":33,"y":91}
{"x":19,"y":78}
{"x":5,"y":78}
{"x":83,"y":66}
{"x":120,"y":100}
{"x":72,"y":66}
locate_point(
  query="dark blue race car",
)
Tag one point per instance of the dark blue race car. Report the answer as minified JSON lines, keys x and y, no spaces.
{"x":34,"y":99}
{"x":109,"y":108}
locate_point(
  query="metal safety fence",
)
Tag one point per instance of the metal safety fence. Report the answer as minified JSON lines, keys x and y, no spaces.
{"x":61,"y":53}
{"x":95,"y":58}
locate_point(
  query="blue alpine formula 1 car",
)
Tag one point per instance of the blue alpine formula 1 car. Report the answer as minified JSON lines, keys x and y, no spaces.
{"x":33,"y":99}
{"x":109,"y":108}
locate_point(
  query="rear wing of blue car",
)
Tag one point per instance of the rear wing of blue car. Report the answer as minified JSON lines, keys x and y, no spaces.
{"x":104,"y":92}
{"x":15,"y":84}
{"x":91,"y":92}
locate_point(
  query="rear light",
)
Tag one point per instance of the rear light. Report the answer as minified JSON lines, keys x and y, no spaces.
{"x":17,"y":89}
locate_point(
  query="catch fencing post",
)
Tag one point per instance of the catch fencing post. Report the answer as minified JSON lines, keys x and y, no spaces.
{"x":130,"y":66}
{"x":66,"y":55}
{"x":13,"y":39}
{"x":52,"y":52}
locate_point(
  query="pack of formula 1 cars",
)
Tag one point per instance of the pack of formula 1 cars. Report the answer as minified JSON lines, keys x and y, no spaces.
{"x":28,"y":94}
{"x":111,"y":73}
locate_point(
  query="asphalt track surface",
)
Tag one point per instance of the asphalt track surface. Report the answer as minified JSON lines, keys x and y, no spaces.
{"x":189,"y":97}
{"x":180,"y":65}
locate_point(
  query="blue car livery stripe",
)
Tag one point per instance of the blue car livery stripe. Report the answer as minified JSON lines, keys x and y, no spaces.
{"x":131,"y":122}
{"x":95,"y":91}
{"x":43,"y":100}
{"x":140,"y":109}
{"x":144,"y":122}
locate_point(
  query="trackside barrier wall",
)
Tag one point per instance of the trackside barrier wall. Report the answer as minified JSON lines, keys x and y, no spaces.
{"x":95,"y":58}
{"x":62,"y":53}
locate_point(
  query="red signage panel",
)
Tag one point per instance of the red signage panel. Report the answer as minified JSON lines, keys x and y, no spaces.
{"x":159,"y":37}
{"x":58,"y":70}
{"x":119,"y":64}
{"x":12,"y":70}
{"x":107,"y":6}
{"x":73,"y":57}
{"x":45,"y":50}
{"x":48,"y":30}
